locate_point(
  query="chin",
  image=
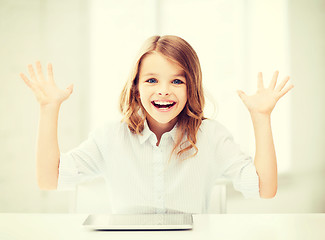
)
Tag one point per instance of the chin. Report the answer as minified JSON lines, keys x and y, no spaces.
{"x":164,"y":120}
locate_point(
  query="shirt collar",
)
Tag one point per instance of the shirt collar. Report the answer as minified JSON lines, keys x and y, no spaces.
{"x":147,"y":133}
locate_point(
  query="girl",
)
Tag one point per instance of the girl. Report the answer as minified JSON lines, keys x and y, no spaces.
{"x":164,"y":155}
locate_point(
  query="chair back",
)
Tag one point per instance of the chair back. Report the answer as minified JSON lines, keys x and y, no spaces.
{"x":92,"y":197}
{"x":218,"y":197}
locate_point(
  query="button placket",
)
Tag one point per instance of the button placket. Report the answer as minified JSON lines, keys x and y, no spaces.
{"x":159,"y":177}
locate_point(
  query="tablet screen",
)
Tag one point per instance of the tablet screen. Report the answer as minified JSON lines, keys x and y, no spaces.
{"x":139,"y":221}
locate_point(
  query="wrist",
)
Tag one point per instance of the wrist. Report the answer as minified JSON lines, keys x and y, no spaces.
{"x":50,"y":107}
{"x":257,"y":116}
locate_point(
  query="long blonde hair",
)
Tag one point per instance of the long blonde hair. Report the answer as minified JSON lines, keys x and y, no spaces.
{"x":190,"y":119}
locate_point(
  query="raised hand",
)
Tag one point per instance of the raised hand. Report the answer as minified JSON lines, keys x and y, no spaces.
{"x":265,"y":99}
{"x":46,"y":91}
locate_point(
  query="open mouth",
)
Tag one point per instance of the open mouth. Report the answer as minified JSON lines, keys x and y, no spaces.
{"x":163,"y":105}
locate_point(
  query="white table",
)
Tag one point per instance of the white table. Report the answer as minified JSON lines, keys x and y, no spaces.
{"x":15,"y":226}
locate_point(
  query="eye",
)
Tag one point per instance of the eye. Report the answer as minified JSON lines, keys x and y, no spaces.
{"x":151,"y":80}
{"x":177,"y":81}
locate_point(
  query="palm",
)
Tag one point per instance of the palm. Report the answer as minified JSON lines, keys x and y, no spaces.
{"x":46,"y":91}
{"x":51,"y":93}
{"x":265,"y":99}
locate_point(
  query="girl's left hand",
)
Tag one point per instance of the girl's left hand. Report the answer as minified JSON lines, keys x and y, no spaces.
{"x":264,"y":100}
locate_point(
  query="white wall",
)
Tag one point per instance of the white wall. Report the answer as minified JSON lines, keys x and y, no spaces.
{"x":50,"y":31}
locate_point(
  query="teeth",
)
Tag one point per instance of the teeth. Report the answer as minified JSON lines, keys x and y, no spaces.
{"x":163,"y":103}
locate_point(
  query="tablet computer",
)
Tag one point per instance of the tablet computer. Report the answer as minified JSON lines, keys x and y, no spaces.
{"x":139,"y":222}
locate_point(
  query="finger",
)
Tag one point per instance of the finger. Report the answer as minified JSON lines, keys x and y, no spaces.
{"x":26,"y":80}
{"x":70,"y":89}
{"x":260,"y":84}
{"x":282,"y":84}
{"x":30,"y":84}
{"x":285,"y":90}
{"x":32,"y":73}
{"x":242,"y":95}
{"x":50,"y":72}
{"x":274,"y":79}
{"x":39,"y":71}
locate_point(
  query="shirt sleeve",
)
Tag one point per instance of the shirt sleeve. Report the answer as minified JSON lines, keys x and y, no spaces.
{"x":82,"y":163}
{"x":237,"y":166}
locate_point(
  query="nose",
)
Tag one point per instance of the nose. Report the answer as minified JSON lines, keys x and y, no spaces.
{"x":163,"y":90}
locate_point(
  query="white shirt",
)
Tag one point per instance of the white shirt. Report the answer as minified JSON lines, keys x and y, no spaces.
{"x":139,"y":178}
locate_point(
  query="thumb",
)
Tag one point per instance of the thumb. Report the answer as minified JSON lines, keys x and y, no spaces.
{"x":70,"y":88}
{"x":241,"y":94}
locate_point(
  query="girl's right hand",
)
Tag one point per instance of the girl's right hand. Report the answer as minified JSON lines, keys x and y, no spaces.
{"x":46,"y":91}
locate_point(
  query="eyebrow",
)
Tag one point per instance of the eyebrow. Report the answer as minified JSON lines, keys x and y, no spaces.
{"x":175,"y":75}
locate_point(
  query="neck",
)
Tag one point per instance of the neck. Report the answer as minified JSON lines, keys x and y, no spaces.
{"x":160,"y":128}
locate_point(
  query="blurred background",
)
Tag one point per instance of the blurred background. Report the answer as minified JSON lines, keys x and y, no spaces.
{"x":92,"y":44}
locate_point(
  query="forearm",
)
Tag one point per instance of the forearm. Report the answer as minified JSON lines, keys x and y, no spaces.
{"x":47,"y":152}
{"x":265,"y":157}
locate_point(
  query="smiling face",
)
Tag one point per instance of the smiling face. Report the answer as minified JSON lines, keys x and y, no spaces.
{"x":162,"y":89}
